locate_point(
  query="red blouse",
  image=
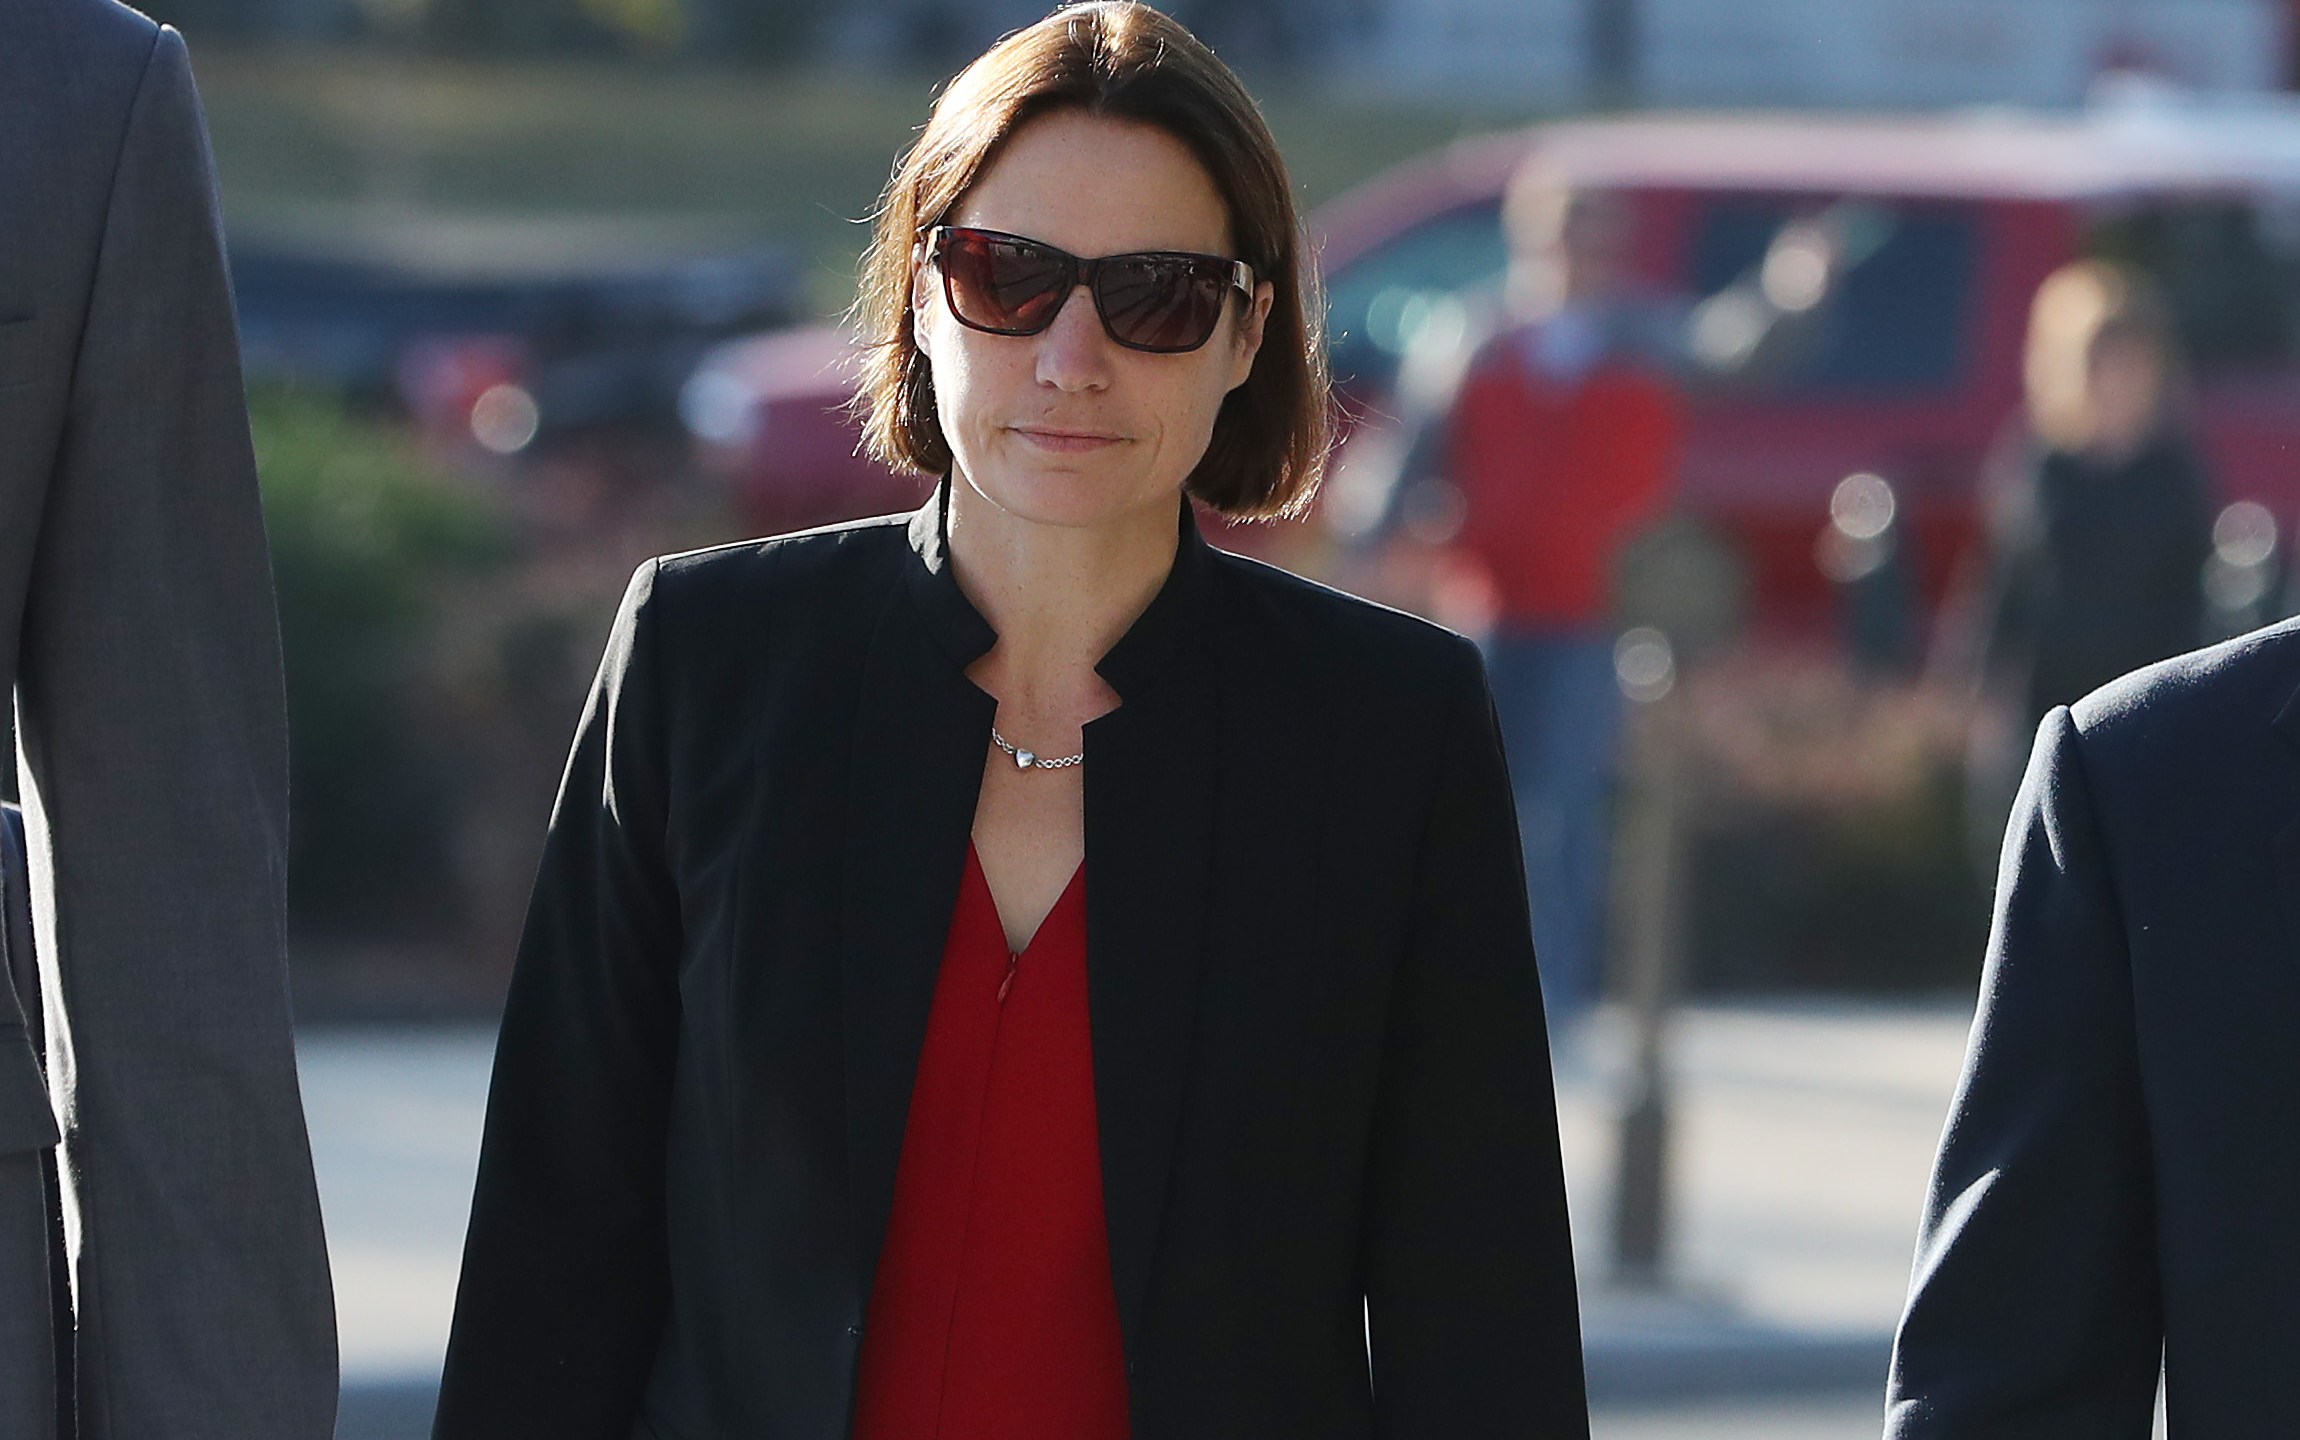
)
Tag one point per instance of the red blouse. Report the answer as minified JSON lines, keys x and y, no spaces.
{"x":992,"y":1317}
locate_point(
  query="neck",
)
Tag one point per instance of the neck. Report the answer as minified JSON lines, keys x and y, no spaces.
{"x":1058,"y":596}
{"x":2111,"y":451}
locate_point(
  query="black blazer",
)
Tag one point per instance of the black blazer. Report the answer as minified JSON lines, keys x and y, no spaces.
{"x":2119,"y":1180}
{"x":1318,"y":1047}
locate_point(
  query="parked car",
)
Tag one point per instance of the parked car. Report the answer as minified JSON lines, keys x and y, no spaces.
{"x":771,"y":419}
{"x":1909,"y":365}
{"x":502,"y":334}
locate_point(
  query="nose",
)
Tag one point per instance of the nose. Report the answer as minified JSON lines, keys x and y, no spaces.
{"x":1074,"y":352}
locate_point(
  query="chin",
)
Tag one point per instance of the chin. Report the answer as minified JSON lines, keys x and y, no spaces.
{"x":1071,"y":496}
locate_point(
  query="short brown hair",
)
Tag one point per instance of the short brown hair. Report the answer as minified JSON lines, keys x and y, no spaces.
{"x":2080,"y":307}
{"x":1125,"y":61}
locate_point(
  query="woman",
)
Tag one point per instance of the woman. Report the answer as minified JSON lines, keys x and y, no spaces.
{"x":2099,"y":521}
{"x":1014,"y":970}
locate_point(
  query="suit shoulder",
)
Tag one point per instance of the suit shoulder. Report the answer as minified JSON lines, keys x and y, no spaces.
{"x":809,"y":590}
{"x":70,"y":70}
{"x":856,"y":552}
{"x":100,"y":35}
{"x":1372,"y":643}
{"x":2183,"y":719}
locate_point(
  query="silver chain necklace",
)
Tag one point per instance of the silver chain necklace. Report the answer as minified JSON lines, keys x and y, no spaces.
{"x":1031,"y":759}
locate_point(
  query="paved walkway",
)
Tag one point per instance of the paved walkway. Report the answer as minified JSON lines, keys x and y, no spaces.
{"x":1803,"y":1134}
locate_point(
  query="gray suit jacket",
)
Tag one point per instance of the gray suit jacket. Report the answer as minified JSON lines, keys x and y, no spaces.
{"x":138,"y":630}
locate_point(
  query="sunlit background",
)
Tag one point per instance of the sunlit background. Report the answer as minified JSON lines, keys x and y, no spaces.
{"x":533,"y":289}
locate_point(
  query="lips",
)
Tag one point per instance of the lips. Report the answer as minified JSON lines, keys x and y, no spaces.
{"x":1070,"y":432}
{"x":1065,"y":438}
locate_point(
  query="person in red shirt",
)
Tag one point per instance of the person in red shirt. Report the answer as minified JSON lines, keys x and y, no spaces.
{"x":1562,"y":443}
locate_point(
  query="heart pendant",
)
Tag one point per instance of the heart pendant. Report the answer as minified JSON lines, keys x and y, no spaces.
{"x":1024,"y":759}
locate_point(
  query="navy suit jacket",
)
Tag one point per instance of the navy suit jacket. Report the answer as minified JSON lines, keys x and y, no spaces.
{"x":2119,"y":1183}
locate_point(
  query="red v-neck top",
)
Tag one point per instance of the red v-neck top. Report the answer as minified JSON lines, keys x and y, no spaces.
{"x":992,"y":1316}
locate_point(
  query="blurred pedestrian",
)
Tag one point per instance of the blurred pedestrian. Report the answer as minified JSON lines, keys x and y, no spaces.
{"x":1563,"y":441}
{"x":2112,"y":1201}
{"x":1013,"y":970}
{"x":2098,"y":507}
{"x":143,"y":649}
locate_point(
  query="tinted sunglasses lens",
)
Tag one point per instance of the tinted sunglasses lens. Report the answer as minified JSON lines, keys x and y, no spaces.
{"x":1007,"y":285}
{"x":1161,"y":302}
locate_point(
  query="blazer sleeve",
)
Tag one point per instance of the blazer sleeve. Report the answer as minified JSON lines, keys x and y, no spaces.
{"x":565,"y":1281}
{"x":2034,"y":1310}
{"x":155,"y":746}
{"x":1473,"y":1324}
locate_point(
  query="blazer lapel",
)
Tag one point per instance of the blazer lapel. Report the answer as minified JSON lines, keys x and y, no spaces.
{"x":1149,"y":824}
{"x":920,"y":731}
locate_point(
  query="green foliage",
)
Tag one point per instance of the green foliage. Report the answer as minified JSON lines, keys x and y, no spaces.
{"x":367,"y":540}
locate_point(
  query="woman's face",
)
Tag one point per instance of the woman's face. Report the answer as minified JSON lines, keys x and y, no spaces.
{"x":1067,"y":427}
{"x":2124,"y":385}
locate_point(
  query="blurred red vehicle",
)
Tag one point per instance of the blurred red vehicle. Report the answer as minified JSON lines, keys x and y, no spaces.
{"x":1908,"y":365}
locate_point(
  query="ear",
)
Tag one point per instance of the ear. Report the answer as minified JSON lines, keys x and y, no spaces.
{"x":1249,"y":341}
{"x":922,"y":282}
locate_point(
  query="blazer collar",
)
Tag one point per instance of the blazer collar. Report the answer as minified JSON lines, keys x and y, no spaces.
{"x":921,"y":731}
{"x":952,"y":619}
{"x":1140,"y":654}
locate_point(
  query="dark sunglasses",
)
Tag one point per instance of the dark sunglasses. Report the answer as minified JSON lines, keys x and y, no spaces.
{"x":1163,"y":301}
